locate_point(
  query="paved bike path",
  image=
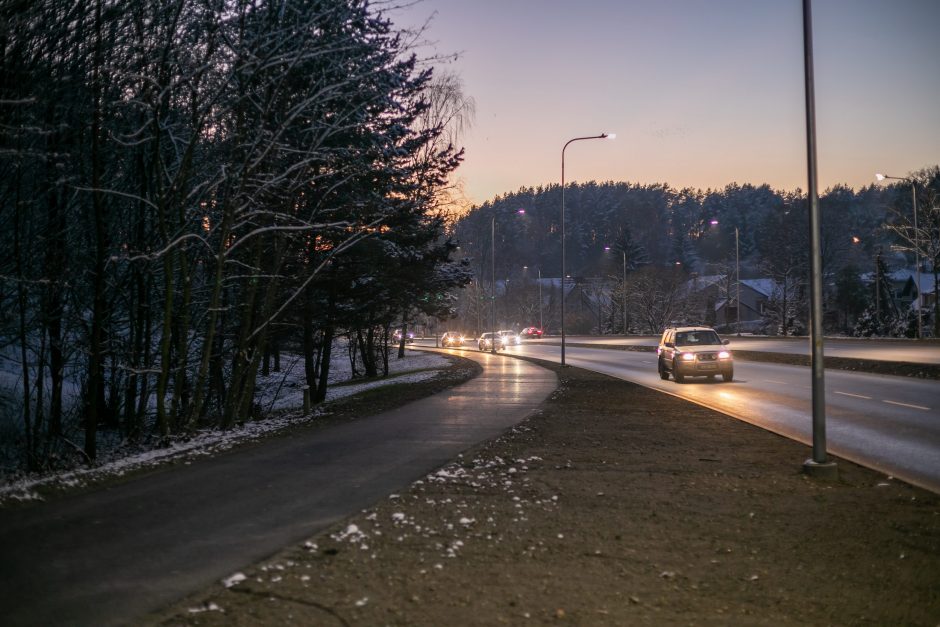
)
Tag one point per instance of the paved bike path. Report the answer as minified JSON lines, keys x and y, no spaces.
{"x":112,"y":555}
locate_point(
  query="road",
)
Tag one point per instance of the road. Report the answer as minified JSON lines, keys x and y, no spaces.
{"x":920,"y":352}
{"x":891,"y":424}
{"x":112,"y":555}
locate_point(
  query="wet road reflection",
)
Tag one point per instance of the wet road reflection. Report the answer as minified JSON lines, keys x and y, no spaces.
{"x":891,"y":424}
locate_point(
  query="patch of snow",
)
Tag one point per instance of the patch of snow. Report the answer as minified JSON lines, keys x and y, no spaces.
{"x":210,"y":607}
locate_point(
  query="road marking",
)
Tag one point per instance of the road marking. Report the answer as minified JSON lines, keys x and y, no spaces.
{"x":908,"y":405}
{"x":777,"y":382}
{"x":867,"y":398}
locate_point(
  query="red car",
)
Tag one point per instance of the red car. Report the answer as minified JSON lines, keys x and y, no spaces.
{"x":531,"y":333}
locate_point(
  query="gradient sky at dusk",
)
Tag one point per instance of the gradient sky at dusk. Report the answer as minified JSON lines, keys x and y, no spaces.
{"x":701,"y":93}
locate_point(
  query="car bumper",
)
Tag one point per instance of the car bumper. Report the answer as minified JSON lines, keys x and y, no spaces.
{"x":704,"y":369}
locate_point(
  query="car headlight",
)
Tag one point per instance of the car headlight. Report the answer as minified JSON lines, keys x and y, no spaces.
{"x":688,"y":356}
{"x":724,"y":355}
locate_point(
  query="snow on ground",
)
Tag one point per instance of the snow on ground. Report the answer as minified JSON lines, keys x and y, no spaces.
{"x":280,"y":392}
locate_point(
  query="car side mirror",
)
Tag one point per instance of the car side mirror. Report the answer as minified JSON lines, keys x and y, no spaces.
{"x":725,"y":342}
{"x":670,"y":344}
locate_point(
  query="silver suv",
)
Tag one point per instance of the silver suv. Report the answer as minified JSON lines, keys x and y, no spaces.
{"x":693,"y":352}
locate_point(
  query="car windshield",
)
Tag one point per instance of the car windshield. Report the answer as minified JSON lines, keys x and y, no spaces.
{"x":697,"y":338}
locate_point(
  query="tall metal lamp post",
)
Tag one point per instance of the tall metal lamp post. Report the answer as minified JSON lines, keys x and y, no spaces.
{"x":539,"y":270}
{"x":819,"y":465}
{"x":565,"y":147}
{"x":623,"y":288}
{"x":493,"y":266}
{"x":737,"y":279}
{"x":881,"y":177}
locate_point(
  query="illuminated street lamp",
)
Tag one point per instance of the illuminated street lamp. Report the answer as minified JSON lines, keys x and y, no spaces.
{"x":881,"y":177}
{"x":565,"y":147}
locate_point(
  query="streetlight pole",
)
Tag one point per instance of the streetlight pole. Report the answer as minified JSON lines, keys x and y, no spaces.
{"x":737,"y":278}
{"x":493,"y":262}
{"x":565,"y":147}
{"x":539,"y":270}
{"x":493,"y":270}
{"x":541,"y":326}
{"x":819,"y":464}
{"x":623,"y":289}
{"x":881,"y":177}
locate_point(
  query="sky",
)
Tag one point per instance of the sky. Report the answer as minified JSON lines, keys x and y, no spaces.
{"x":700,"y":93}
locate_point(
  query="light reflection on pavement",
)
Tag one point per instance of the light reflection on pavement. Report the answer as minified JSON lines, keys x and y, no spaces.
{"x":891,"y":424}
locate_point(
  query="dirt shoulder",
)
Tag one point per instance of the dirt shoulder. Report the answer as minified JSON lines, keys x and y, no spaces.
{"x":612,"y":505}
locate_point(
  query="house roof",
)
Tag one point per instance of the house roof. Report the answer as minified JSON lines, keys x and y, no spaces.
{"x":762,"y":286}
{"x":904,"y":275}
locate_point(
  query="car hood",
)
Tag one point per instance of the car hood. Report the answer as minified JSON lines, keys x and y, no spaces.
{"x":707,"y":348}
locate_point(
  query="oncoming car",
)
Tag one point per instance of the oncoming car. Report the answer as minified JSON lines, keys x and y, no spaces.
{"x":452,"y":338}
{"x":693,"y":352}
{"x":396,"y":337}
{"x":485,"y":342}
{"x":510,"y":338}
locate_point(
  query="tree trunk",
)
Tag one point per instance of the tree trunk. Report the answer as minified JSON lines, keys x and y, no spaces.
{"x":95,"y":385}
{"x":325,"y":354}
{"x":22,"y":302}
{"x":309,"y":348}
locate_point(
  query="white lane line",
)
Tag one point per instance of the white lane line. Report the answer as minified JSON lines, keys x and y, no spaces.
{"x":867,"y":398}
{"x":774,"y":381}
{"x":907,"y":405}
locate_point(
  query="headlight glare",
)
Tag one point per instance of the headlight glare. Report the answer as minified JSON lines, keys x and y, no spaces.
{"x":724,"y":355}
{"x":688,"y":356}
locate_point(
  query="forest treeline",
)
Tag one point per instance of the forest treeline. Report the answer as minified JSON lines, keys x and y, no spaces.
{"x":186,"y":186}
{"x":664,"y":236}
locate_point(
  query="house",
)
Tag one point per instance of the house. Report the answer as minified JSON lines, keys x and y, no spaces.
{"x":720,"y":295}
{"x":905,"y":291}
{"x":754,"y":296}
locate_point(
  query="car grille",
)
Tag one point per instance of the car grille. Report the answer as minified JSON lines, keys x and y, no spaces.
{"x":708,"y":356}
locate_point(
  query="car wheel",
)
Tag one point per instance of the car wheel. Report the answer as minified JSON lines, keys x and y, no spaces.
{"x":663,"y":373}
{"x":727,"y":376}
{"x":480,"y":345}
{"x":679,"y":377}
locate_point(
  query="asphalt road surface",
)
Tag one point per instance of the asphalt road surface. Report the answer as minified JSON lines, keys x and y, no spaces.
{"x":891,"y":424}
{"x":110,"y":556}
{"x":919,"y":352}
